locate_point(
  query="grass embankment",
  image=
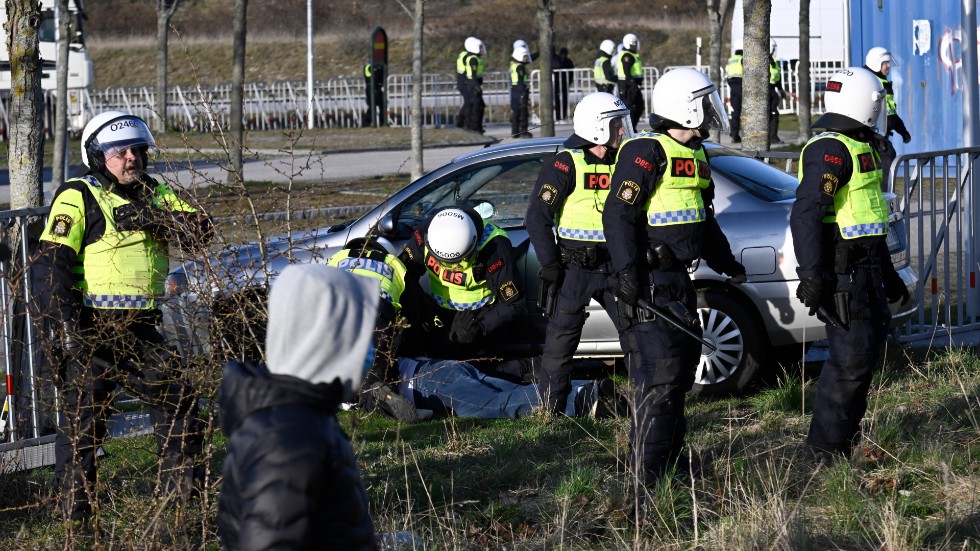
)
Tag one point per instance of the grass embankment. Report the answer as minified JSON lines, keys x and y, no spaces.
{"x":536,"y":483}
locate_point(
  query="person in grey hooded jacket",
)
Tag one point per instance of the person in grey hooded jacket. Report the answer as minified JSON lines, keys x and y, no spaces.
{"x":290,"y":477}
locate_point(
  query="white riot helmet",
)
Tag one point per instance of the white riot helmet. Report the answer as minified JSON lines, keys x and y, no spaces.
{"x":113,"y":131}
{"x":521,"y":55}
{"x":608,"y":47}
{"x":453,"y":234}
{"x":631,"y":43}
{"x":520,"y":44}
{"x":857,"y":94}
{"x":772,"y":48}
{"x":474,"y":45}
{"x":876,"y":57}
{"x":687,"y":97}
{"x":599,"y":115}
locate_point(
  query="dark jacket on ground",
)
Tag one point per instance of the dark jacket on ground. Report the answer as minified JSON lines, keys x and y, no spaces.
{"x":290,"y":477}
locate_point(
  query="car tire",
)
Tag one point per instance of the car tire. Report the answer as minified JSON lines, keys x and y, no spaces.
{"x":734,"y":328}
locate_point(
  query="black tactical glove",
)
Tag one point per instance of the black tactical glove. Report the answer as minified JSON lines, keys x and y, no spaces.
{"x":906,"y":137}
{"x":737,"y":273}
{"x":895,"y":288}
{"x":130,"y":218}
{"x":810,"y":292}
{"x":628,"y":287}
{"x":466,"y":327}
{"x":551,"y":275}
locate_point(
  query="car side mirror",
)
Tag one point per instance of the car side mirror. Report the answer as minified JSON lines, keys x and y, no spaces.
{"x":386,"y":226}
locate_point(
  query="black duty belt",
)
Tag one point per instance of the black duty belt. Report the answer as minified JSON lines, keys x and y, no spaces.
{"x":589,"y":257}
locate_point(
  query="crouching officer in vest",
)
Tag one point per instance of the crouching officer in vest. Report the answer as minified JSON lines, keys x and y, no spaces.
{"x":374,"y":257}
{"x":839,"y":224}
{"x":570,"y":194}
{"x":658,"y":220}
{"x":473,"y":284}
{"x":99,"y":276}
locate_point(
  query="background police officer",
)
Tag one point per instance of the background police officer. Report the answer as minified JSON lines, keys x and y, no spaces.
{"x":658,"y":220}
{"x":879,"y":61}
{"x":374,"y":93}
{"x":520,"y":93}
{"x":839,"y":224}
{"x":776,"y":94}
{"x":629,"y":76}
{"x":733,"y":72}
{"x":99,"y":275}
{"x":602,"y":69}
{"x":473,"y":283}
{"x":469,"y":79}
{"x":570,"y":194}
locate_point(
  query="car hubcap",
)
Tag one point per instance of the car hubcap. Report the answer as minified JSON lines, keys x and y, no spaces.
{"x":721,"y":331}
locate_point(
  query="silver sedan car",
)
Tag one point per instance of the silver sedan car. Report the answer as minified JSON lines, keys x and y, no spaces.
{"x":750,"y":325}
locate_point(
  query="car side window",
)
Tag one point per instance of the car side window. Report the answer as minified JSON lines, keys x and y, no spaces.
{"x":499,"y":190}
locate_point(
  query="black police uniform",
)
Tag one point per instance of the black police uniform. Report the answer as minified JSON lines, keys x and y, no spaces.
{"x":860,"y":269}
{"x":662,"y":368}
{"x":735,"y":71}
{"x":520,"y":95}
{"x":776,"y":94}
{"x":584,"y":265}
{"x":894,"y":123}
{"x":471,"y":88}
{"x":374,"y":94}
{"x":630,"y":88}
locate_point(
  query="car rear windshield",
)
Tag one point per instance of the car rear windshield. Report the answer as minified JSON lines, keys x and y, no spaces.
{"x":756,"y":177}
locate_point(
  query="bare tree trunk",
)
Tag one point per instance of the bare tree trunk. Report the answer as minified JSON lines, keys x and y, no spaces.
{"x":755,"y":82}
{"x":165,"y":12}
{"x":718,"y":11}
{"x":546,"y":103}
{"x":26,"y":148}
{"x":58,"y":161}
{"x":237,"y":115}
{"x":803,"y":107}
{"x":418,"y":115}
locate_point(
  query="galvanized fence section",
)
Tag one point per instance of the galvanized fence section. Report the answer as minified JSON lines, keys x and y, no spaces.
{"x":937,"y":193}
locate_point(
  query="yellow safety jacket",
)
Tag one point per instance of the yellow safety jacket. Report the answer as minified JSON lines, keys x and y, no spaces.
{"x":734,"y":67}
{"x":463,"y":65}
{"x":515,"y":77}
{"x":123,"y":269}
{"x":636,"y":70}
{"x":386,"y":268}
{"x":859,"y":207}
{"x":890,"y":104}
{"x":367,"y":70}
{"x":775,"y":76}
{"x":454,"y":286}
{"x":580,"y":217}
{"x":677,"y":199}
{"x":598,"y":74}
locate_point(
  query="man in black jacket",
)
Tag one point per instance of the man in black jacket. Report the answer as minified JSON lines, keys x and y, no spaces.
{"x":290,"y":477}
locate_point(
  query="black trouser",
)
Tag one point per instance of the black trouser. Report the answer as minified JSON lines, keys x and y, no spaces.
{"x":607,"y":88}
{"x":855,"y":354}
{"x":471,"y":114}
{"x":518,"y":109}
{"x":662,"y":371}
{"x":735,"y":90}
{"x":565,"y":330}
{"x":774,"y":99}
{"x":631,"y":95}
{"x":131,"y":353}
{"x":376,"y":107}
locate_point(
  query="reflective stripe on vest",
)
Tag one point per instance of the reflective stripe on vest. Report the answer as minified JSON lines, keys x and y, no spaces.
{"x":890,"y":105}
{"x":677,"y":198}
{"x":580,"y":217}
{"x":859,"y":207}
{"x":453,"y":286}
{"x":636,"y":70}
{"x":463,"y":65}
{"x":515,"y":78}
{"x":598,"y":74}
{"x":734,"y":67}
{"x":390,"y":271}
{"x":124,"y":269}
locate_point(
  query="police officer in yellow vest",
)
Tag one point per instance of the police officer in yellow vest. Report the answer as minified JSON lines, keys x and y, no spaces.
{"x":564,"y":223}
{"x":602,"y":70}
{"x":629,"y":75}
{"x":839,"y":224}
{"x":733,"y":72}
{"x":99,"y":277}
{"x":520,"y":92}
{"x":374,"y":257}
{"x":879,"y":61}
{"x":658,"y":219}
{"x":473,"y":285}
{"x":776,"y":94}
{"x":374,"y":94}
{"x":470,"y":65}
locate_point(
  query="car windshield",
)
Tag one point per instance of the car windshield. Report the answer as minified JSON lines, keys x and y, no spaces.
{"x":759,"y":179}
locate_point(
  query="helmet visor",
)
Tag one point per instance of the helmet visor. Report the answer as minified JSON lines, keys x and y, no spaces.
{"x":620,"y":130}
{"x":881,"y":106}
{"x":715,"y":114}
{"x":118,"y":135}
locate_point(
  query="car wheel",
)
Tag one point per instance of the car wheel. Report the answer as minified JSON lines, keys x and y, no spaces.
{"x":733,"y":328}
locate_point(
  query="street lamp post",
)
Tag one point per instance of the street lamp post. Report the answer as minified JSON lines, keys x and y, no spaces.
{"x":309,"y":64}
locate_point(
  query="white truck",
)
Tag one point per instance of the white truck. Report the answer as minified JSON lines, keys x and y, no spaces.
{"x":829,"y":24}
